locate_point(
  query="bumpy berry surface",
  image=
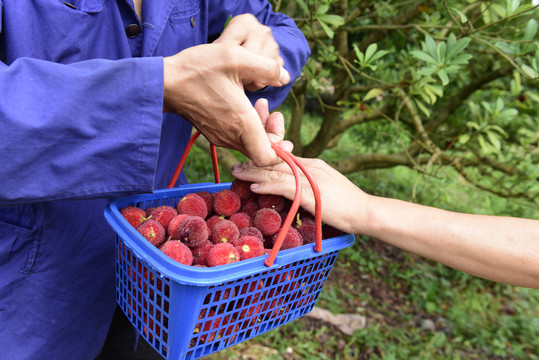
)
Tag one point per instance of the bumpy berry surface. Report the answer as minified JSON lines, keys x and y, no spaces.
{"x":192,"y":204}
{"x":164,"y":214}
{"x":291,"y":240}
{"x":242,"y":188}
{"x":274,"y":202}
{"x":251,"y":231}
{"x":178,"y":251}
{"x":200,"y":253}
{"x":193,"y":231}
{"x":249,"y":247}
{"x":208,"y":198}
{"x":134,"y":215}
{"x":152,"y":231}
{"x":226,"y":202}
{"x":267,"y":220}
{"x":224,"y":231}
{"x":222,"y":254}
{"x":242,"y":220}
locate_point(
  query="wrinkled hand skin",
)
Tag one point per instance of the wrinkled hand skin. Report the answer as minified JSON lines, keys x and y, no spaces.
{"x":245,"y":30}
{"x":204,"y":84}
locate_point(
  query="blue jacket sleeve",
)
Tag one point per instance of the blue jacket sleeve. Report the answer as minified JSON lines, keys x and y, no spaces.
{"x":292,"y":43}
{"x":85,"y":130}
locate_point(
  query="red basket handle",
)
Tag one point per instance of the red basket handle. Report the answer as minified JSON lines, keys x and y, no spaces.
{"x":184,"y":157}
{"x":294,"y":163}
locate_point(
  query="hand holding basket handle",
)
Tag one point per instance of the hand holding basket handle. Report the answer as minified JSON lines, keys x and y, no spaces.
{"x":294,"y":163}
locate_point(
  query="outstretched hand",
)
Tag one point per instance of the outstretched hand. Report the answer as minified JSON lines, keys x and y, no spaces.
{"x":343,"y":203}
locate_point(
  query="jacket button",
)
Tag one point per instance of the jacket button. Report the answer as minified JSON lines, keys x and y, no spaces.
{"x":132,"y":30}
{"x":193,"y":22}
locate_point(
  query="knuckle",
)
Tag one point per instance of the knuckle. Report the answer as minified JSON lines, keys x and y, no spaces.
{"x":274,"y":175}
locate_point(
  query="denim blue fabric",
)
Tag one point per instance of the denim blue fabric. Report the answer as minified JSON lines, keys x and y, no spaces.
{"x":81,"y":122}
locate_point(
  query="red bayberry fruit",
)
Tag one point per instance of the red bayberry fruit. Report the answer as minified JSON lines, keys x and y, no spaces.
{"x":193,"y":231}
{"x":212,"y":220}
{"x":200,"y":253}
{"x":164,"y":214}
{"x":242,"y":188}
{"x":226,"y":202}
{"x":152,"y":231}
{"x":208,"y":198}
{"x":242,"y":220}
{"x":249,"y":247}
{"x":172,"y":228}
{"x":192,"y":204}
{"x":222,"y":254}
{"x":252,"y":231}
{"x":250,"y":208}
{"x":177,"y":251}
{"x":267,"y":220}
{"x":307,"y":228}
{"x":291,"y":240}
{"x":224,"y":231}
{"x":134,"y":215}
{"x":275,"y":202}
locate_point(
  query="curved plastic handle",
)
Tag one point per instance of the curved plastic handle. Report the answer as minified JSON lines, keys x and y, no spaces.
{"x":184,"y":157}
{"x":293,"y":162}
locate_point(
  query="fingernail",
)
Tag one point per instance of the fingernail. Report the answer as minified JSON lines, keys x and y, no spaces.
{"x":237,"y":168}
{"x":255,"y":186}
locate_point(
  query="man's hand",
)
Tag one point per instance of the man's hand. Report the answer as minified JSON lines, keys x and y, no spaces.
{"x":204,"y":84}
{"x":245,"y":30}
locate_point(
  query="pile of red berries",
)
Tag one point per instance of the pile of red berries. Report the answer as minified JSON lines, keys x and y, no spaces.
{"x":230,"y":225}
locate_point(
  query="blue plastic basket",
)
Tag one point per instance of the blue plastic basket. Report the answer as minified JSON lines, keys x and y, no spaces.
{"x":187,"y":312}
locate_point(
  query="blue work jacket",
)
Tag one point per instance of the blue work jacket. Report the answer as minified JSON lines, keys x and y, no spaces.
{"x":81,"y":122}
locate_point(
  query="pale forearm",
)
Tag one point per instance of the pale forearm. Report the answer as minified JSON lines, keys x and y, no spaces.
{"x":497,"y":248}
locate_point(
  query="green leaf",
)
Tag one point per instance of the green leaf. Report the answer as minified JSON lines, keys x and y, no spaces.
{"x":372,"y":93}
{"x":443,"y":76}
{"x":529,"y":71}
{"x":370,"y":52}
{"x":427,"y":70}
{"x":327,"y":29}
{"x":464,"y":138}
{"x":423,"y":108}
{"x":485,"y":147}
{"x":430,"y":45}
{"x":440,"y":50}
{"x":457,"y":47}
{"x":333,"y":20}
{"x":322,"y":9}
{"x":359,"y":54}
{"x":532,"y":95}
{"x":304,"y":6}
{"x":421,"y":55}
{"x":379,"y":54}
{"x":462,"y":18}
{"x":494,"y":140}
{"x":505,"y":48}
{"x":461,"y":59}
{"x":531,"y":30}
{"x":430,"y":93}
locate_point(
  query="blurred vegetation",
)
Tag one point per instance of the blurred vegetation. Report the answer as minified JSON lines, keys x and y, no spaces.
{"x":433,"y":102}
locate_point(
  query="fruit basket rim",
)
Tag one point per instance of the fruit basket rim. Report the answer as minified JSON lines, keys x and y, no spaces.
{"x":191,"y":275}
